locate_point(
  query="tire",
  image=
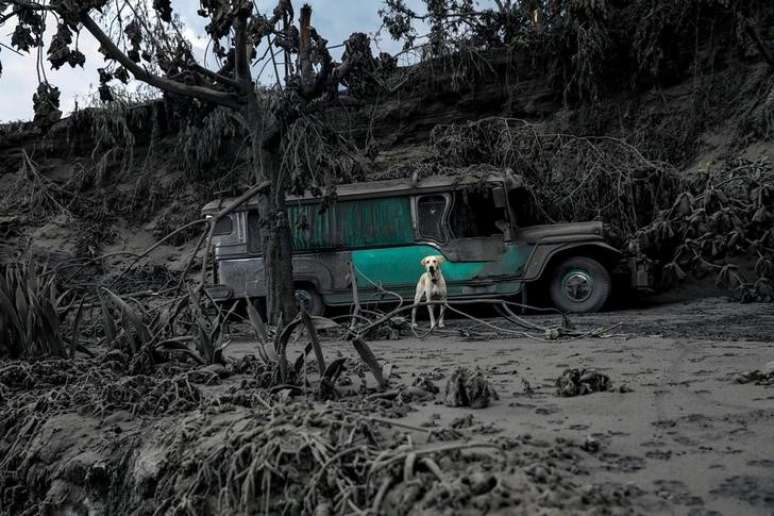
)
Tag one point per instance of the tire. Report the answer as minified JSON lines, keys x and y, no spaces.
{"x":311,"y":300}
{"x":580,"y":285}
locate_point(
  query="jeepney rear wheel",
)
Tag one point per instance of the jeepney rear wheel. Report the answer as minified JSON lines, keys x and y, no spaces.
{"x":580,"y":285}
{"x":310,"y":299}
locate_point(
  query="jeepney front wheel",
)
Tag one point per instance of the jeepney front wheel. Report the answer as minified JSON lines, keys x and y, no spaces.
{"x":580,"y":285}
{"x":308,"y":297}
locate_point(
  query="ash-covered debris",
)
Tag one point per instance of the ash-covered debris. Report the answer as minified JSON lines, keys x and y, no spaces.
{"x":579,"y":382}
{"x":94,"y":387}
{"x":590,"y":444}
{"x":215,"y":443}
{"x":467,"y":388}
{"x":469,"y":425}
{"x":416,"y":393}
{"x":422,"y":389}
{"x":394,"y":329}
{"x":463,"y":422}
{"x":763,"y":376}
{"x":426,"y":382}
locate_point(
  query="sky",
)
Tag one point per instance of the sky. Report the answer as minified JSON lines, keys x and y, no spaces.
{"x":335,"y":20}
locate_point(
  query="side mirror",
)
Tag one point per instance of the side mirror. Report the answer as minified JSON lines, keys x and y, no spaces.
{"x":498,"y":196}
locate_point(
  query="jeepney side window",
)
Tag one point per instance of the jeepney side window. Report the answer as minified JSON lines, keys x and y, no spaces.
{"x":473,"y":214}
{"x":224,"y":226}
{"x":430,"y":213}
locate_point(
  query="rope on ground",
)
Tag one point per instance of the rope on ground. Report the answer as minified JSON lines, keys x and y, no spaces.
{"x":528,"y":328}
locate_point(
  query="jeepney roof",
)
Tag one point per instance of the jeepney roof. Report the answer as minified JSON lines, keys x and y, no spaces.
{"x":372,"y":189}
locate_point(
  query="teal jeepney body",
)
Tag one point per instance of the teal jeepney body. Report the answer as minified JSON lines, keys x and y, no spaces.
{"x":399,"y":268}
{"x":381,"y":231}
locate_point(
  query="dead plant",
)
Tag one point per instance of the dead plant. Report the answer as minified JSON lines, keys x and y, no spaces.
{"x":723,"y":217}
{"x":572,"y":178}
{"x":30,"y":313}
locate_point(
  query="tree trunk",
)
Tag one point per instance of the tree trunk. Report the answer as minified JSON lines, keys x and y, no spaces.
{"x":278,"y":254}
{"x":275,"y":227}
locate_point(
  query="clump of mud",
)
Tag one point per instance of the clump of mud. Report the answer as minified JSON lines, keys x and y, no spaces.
{"x":467,"y":388}
{"x":579,"y":382}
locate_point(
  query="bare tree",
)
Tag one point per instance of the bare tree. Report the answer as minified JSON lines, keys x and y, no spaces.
{"x":147,"y":43}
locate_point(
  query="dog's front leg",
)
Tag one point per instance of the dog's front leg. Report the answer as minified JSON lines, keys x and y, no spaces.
{"x":417,"y":299}
{"x":432,"y":315}
{"x":442,"y":311}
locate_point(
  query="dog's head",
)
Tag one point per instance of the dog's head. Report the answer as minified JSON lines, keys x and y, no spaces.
{"x":432,"y":264}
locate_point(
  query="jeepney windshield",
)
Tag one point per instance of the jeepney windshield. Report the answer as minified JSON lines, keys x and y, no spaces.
{"x":473,"y":214}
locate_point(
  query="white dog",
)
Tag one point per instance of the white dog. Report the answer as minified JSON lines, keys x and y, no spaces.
{"x":432,"y":287}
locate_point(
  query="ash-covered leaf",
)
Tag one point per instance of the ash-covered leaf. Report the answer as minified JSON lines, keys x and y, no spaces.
{"x":45,"y":102}
{"x":105,"y":93}
{"x":134,"y":33}
{"x":22,"y":38}
{"x":164,"y":8}
{"x":29,"y":31}
{"x":76,"y":58}
{"x":121,"y":74}
{"x":59,"y":51}
{"x":104,"y":75}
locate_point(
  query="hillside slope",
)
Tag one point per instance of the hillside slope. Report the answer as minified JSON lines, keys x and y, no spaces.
{"x":100,"y":187}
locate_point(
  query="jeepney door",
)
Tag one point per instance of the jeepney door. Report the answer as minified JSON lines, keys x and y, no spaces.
{"x":479,"y":255}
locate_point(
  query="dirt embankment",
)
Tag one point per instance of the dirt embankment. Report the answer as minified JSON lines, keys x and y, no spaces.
{"x":113,"y":181}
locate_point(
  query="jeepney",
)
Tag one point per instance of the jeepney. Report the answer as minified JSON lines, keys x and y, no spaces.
{"x":381,"y":230}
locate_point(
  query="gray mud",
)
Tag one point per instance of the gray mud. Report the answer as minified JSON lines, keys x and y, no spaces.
{"x":673,"y":433}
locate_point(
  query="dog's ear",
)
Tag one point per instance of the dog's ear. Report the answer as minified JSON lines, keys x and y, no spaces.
{"x":422,"y":261}
{"x":441,"y":259}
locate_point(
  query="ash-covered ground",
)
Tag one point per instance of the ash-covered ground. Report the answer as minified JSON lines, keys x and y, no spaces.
{"x":684,"y":437}
{"x":683,"y":425}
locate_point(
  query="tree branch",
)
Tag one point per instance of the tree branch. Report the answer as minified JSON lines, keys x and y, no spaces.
{"x":226,"y":81}
{"x":305,"y":65}
{"x":9,"y":48}
{"x":241,"y":64}
{"x":141,"y":74}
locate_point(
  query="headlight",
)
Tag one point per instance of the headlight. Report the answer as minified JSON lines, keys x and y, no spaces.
{"x":219,"y":292}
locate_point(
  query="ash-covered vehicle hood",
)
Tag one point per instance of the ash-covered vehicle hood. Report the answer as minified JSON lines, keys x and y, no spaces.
{"x":547,"y":233}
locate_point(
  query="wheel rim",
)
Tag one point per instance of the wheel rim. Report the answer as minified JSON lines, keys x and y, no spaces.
{"x":578,"y":286}
{"x":304,"y":299}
